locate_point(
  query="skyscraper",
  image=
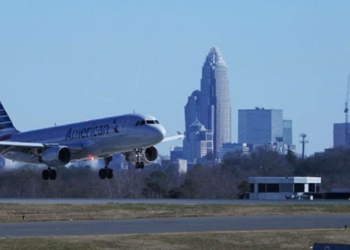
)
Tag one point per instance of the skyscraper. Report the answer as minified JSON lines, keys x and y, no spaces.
{"x":339,"y":138}
{"x":288,"y":132}
{"x":211,"y":105}
{"x":191,"y":109}
{"x":260,"y":126}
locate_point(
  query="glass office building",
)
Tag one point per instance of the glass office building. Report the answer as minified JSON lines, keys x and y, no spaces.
{"x":288,"y":132}
{"x":339,"y":138}
{"x":260,"y":126}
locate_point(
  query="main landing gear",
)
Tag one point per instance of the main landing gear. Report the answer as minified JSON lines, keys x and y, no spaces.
{"x":49,"y":174}
{"x":106,"y":172}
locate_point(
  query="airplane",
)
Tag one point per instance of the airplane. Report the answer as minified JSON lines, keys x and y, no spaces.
{"x":133,"y":135}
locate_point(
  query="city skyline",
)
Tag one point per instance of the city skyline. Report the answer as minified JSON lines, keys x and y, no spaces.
{"x":74,"y":61}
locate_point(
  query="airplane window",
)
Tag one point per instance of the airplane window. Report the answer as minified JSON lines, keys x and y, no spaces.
{"x":157,"y":122}
{"x":142,"y":123}
{"x":150,"y":122}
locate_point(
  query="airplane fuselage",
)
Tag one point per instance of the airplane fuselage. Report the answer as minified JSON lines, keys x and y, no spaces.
{"x":95,"y":138}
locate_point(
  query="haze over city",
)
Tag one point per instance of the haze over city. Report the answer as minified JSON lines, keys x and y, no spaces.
{"x":64,"y":62}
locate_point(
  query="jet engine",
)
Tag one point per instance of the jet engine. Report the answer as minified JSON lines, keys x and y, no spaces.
{"x":148,"y":155}
{"x":56,"y":156}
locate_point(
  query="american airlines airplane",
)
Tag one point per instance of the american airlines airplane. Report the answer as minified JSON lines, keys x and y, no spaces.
{"x":134,"y":135}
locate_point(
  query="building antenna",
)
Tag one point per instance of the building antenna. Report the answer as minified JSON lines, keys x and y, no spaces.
{"x":346,"y":110}
{"x":303,"y":142}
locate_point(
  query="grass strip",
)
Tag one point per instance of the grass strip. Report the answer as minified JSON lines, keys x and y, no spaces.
{"x":267,"y":239}
{"x":62,"y":212}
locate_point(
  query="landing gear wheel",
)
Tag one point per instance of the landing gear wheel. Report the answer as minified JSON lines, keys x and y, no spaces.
{"x":45,"y":174}
{"x":49,"y":174}
{"x":109,"y":173}
{"x":53,"y":174}
{"x":102,"y":173}
{"x":139,"y":165}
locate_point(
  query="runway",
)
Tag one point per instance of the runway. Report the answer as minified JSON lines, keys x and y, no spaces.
{"x":172,"y":225}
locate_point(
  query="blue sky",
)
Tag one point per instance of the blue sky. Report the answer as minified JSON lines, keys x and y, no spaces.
{"x":69,"y":61}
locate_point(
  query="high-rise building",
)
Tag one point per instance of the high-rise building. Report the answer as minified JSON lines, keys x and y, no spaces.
{"x":198,"y":144}
{"x":260,"y":126}
{"x":339,"y":138}
{"x":191,"y":109}
{"x":288,"y":132}
{"x":211,"y":105}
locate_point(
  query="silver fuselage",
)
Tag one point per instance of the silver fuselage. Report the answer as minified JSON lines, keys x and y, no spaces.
{"x":95,"y":138}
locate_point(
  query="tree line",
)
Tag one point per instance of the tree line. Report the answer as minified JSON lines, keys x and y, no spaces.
{"x":225,"y":180}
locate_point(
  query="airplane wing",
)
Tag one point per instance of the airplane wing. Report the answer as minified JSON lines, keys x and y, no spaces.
{"x":173,"y":137}
{"x":19,"y":146}
{"x":5,"y":144}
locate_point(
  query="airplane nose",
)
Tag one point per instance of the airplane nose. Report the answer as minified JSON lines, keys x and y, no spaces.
{"x":156,"y":133}
{"x":162,"y":132}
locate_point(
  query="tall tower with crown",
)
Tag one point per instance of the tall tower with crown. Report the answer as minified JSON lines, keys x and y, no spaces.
{"x":211,"y":105}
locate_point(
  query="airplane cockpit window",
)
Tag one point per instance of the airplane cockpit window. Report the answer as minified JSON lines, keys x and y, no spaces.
{"x":143,"y":122}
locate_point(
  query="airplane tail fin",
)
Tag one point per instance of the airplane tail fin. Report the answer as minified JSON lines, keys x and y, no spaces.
{"x":6,"y":127}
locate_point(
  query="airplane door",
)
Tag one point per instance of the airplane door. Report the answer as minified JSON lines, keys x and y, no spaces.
{"x":123,"y":127}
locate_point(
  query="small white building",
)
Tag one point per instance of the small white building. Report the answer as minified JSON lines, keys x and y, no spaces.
{"x":278,"y":188}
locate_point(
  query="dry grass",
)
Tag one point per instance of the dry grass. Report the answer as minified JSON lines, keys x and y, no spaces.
{"x":271,"y":239}
{"x":61,"y":212}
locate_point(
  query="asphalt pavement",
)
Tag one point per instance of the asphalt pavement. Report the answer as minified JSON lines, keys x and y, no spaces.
{"x":172,"y":225}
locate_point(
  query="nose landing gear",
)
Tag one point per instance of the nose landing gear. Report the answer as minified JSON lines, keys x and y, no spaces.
{"x":139,"y":165}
